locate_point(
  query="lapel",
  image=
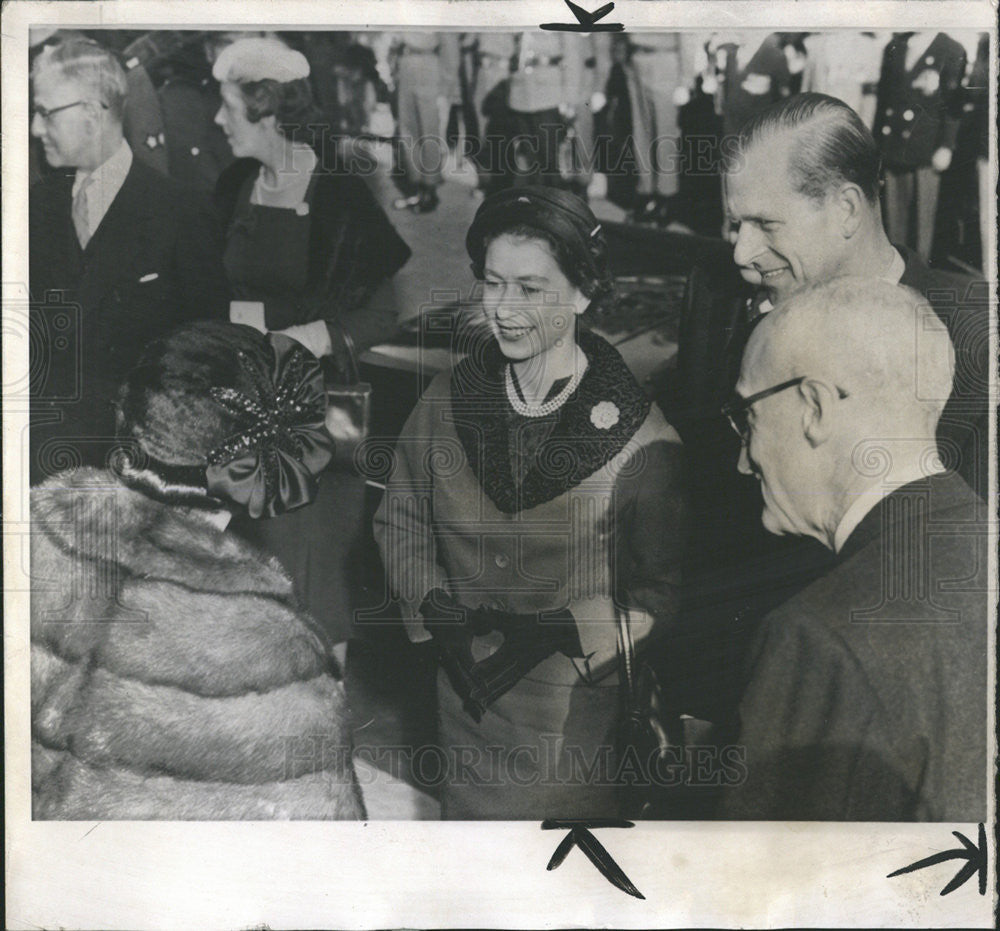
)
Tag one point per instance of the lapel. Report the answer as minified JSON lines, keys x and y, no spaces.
{"x":919,"y":63}
{"x":62,"y":214}
{"x":122,"y":234}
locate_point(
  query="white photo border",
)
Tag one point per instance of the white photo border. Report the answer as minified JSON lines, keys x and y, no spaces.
{"x":414,"y":874}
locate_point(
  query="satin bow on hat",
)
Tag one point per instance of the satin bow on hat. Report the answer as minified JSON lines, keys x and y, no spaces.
{"x":270,"y":466}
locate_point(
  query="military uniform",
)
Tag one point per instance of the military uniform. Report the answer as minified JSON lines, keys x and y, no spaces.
{"x":596,"y":68}
{"x":494,"y":52}
{"x":660,"y":63}
{"x":547,"y":71}
{"x":919,"y":110}
{"x":197,"y":150}
{"x":751,"y":82}
{"x":426,"y":70}
{"x":143,"y":121}
{"x":845,"y":65}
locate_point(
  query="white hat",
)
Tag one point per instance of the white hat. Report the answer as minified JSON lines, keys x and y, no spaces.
{"x":259,"y":60}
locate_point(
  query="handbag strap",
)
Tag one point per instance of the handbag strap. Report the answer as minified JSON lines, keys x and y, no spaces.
{"x":353,"y":369}
{"x":626,"y":655}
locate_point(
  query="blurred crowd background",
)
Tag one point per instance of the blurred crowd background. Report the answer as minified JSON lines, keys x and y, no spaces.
{"x":635,"y":119}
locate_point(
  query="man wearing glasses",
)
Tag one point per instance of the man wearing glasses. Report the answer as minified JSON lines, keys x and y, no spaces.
{"x":118,"y":255}
{"x":866,"y":691}
{"x":801,"y":186}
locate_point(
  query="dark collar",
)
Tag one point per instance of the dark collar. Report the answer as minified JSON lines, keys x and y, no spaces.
{"x":937,"y":493}
{"x":592,"y":427}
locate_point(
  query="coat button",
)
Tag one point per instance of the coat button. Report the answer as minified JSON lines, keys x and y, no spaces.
{"x":501,"y":560}
{"x":888,"y":111}
{"x":886,"y":130}
{"x":908,"y":115}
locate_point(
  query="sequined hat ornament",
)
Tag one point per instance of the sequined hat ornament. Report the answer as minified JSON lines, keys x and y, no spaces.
{"x":259,"y":59}
{"x":270,"y":465}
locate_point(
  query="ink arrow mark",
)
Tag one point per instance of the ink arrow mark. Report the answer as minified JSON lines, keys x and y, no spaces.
{"x":975,"y":855}
{"x":580,"y":837}
{"x":586,"y":22}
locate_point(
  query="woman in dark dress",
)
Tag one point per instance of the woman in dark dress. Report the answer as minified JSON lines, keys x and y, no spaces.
{"x":306,"y":246}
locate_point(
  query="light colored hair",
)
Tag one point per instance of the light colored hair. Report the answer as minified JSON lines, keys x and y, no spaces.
{"x":879,"y":338}
{"x":90,"y":64}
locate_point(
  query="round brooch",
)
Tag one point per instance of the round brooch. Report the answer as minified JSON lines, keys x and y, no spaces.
{"x":604,"y":415}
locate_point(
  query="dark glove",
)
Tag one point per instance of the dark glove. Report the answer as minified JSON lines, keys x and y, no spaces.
{"x":449,"y":626}
{"x":527,"y":640}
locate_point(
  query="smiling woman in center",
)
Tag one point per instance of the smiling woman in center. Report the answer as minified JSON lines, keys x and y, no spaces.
{"x":534,"y":495}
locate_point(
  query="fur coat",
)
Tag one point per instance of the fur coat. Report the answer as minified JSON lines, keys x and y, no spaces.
{"x":172,"y":675}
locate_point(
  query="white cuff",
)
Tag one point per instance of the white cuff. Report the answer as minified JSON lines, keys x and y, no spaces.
{"x":314,"y":336}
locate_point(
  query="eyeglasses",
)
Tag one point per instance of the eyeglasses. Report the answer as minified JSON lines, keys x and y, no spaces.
{"x":47,"y":115}
{"x":738,"y":409}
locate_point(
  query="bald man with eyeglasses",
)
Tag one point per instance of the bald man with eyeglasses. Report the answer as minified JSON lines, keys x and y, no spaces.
{"x":118,"y":255}
{"x":864,"y":696}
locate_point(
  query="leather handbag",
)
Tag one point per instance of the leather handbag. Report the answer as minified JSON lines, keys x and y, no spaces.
{"x":647,"y":732}
{"x":348,"y":405}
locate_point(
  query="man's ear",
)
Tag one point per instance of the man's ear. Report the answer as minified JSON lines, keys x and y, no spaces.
{"x":819,"y":397}
{"x":852,"y":203}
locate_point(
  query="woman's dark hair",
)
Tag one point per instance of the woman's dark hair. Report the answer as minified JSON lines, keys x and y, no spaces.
{"x":559,"y":219}
{"x":291,"y":104}
{"x":167,"y":418}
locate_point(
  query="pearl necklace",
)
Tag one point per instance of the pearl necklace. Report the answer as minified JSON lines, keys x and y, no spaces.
{"x":547,"y":407}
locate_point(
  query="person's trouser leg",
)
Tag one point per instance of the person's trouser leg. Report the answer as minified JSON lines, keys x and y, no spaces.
{"x":928,"y":183}
{"x":898,"y":200}
{"x":643,"y":126}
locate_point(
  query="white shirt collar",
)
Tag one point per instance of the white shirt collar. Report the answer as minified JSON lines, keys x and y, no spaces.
{"x":893,"y":275}
{"x":866,"y":500}
{"x":103,"y":184}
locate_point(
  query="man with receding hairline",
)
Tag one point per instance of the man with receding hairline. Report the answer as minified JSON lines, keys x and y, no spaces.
{"x":131,"y":251}
{"x":865,"y":693}
{"x":802,"y":186}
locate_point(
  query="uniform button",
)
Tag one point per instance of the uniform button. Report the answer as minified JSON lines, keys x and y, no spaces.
{"x":886,"y":130}
{"x":908,"y":115}
{"x":906,"y":134}
{"x":930,"y":59}
{"x":889,"y":111}
{"x":195,"y":150}
{"x":501,"y":560}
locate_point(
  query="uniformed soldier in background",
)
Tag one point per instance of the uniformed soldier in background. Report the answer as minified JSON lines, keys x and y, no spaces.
{"x":544,"y":86}
{"x":426,"y":86}
{"x":916,"y":123}
{"x":590,"y":100}
{"x":660,"y":64}
{"x":197,"y":151}
{"x":494,"y":52}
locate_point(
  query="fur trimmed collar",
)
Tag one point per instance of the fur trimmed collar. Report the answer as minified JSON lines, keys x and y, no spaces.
{"x":592,"y":427}
{"x":89,"y":513}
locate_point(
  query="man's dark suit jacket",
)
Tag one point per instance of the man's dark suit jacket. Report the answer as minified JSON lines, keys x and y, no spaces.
{"x":737,"y":571}
{"x":153,"y":263}
{"x":866,"y":697}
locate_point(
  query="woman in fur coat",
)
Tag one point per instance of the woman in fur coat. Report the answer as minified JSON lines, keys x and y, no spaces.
{"x":173,"y":675}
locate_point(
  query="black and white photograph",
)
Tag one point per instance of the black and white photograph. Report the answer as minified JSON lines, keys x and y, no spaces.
{"x":515,"y":432}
